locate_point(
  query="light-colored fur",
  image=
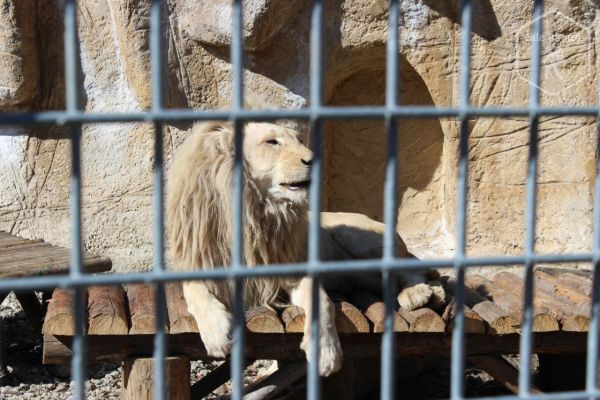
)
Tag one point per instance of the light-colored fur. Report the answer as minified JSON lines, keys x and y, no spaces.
{"x":199,"y":213}
{"x":275,"y":227}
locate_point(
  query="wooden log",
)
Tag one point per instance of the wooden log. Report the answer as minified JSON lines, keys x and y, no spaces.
{"x":137,"y":379}
{"x":580,"y":281}
{"x":423,"y":320}
{"x":550,"y":286}
{"x":107,"y":313}
{"x":263,"y":319}
{"x":573,"y":319}
{"x":498,"y":320}
{"x":544,"y":319}
{"x":348,"y":319}
{"x":100,"y":348}
{"x":502,"y":371}
{"x":374,"y":309}
{"x":293,"y":319}
{"x":473,"y":322}
{"x":142,"y":305}
{"x":60,"y":319}
{"x":180,"y":320}
{"x":561,"y":290}
{"x":274,"y":384}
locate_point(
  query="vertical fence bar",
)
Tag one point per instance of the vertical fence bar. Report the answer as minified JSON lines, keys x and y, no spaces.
{"x":73,"y":105}
{"x":457,"y":378}
{"x":591,"y":380}
{"x":526,"y":343}
{"x":388,"y":364}
{"x":238,"y":336}
{"x":314,"y":248}
{"x":157,"y":75}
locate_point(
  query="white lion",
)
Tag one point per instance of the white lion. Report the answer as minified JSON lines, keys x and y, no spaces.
{"x":277,"y":177}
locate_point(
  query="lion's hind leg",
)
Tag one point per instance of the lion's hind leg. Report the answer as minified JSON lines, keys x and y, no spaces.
{"x":212,"y":317}
{"x":417,"y":292}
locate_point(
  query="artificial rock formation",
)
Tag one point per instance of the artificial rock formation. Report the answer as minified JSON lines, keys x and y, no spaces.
{"x":117,"y":186}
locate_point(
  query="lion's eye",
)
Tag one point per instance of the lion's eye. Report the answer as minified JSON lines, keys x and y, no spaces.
{"x":274,"y":142}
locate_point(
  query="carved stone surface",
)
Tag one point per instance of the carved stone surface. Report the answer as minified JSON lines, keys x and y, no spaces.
{"x":118,"y":158}
{"x":19,"y":67}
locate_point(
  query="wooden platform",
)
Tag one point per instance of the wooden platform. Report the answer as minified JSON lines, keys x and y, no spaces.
{"x":21,"y":257}
{"x":122,"y":320}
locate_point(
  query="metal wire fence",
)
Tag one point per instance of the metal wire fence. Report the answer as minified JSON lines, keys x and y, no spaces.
{"x":73,"y":116}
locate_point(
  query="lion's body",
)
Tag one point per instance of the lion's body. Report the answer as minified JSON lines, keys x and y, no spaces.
{"x":275,"y":213}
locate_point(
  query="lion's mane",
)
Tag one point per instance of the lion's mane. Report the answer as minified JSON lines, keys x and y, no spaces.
{"x":199,"y":216}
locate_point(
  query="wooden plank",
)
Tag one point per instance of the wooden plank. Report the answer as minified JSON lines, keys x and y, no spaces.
{"x":52,"y":266}
{"x":20,"y":245}
{"x":276,"y":346}
{"x":473,"y":322}
{"x":374,"y":309}
{"x":263,"y":320}
{"x":59,"y":317}
{"x":142,"y":309}
{"x":423,"y":320}
{"x":107,"y":311}
{"x":502,"y":371}
{"x":573,"y":319}
{"x":42,"y":252}
{"x":137,"y":379}
{"x":544,"y":319}
{"x":180,"y":320}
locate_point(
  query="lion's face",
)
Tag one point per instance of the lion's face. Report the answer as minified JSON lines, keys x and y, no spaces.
{"x":278,"y":161}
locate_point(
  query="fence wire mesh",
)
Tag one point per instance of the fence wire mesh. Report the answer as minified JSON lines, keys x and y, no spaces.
{"x":316,"y":114}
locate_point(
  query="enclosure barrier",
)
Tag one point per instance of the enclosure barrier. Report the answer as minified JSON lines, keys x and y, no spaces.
{"x":316,"y":113}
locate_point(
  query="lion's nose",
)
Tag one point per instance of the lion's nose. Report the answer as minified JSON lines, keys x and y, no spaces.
{"x":307,"y":162}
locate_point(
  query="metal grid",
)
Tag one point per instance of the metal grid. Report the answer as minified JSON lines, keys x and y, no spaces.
{"x":74,"y":117}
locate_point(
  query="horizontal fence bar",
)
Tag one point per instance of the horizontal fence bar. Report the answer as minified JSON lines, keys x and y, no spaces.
{"x":366,"y":112}
{"x":276,"y":270}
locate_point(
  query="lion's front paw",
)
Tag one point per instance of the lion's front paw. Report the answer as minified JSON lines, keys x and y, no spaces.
{"x":216,"y":333}
{"x":415,"y":297}
{"x":438,"y":297}
{"x":330,"y":353}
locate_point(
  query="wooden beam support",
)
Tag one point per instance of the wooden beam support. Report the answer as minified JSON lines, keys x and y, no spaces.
{"x":211,"y":382}
{"x":502,"y":371}
{"x":276,"y":346}
{"x":137,"y":379}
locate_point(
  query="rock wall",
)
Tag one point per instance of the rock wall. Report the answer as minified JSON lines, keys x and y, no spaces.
{"x":117,"y":158}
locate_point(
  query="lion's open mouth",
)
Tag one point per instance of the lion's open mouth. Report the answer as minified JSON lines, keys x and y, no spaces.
{"x":296,"y":185}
